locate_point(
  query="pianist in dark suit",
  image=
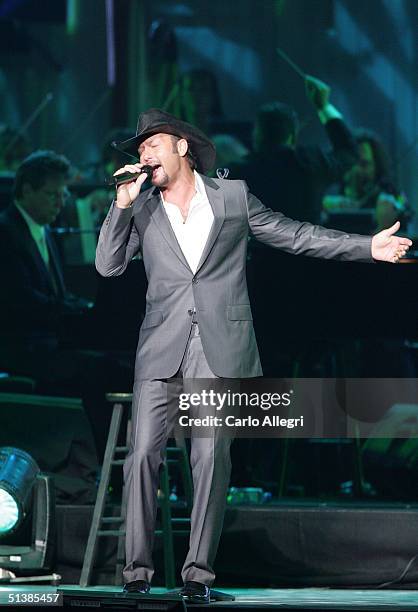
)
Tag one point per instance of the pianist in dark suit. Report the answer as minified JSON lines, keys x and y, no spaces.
{"x":34,"y":296}
{"x":35,"y":304}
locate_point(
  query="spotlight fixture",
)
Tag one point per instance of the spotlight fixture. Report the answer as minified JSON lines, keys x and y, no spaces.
{"x":24,"y":493}
{"x":18,"y":473}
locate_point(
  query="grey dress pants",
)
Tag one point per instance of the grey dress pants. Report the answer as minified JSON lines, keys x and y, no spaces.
{"x":210,"y":462}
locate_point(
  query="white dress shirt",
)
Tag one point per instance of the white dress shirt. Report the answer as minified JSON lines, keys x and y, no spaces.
{"x":38,"y":234}
{"x":192,"y":233}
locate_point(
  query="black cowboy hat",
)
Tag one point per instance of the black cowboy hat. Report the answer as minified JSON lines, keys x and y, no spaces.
{"x":156,"y":121}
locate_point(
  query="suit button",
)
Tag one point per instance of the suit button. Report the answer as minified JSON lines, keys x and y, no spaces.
{"x":195,"y":280}
{"x":190,"y":311}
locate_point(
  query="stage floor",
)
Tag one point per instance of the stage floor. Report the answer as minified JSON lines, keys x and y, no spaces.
{"x":249,"y":599}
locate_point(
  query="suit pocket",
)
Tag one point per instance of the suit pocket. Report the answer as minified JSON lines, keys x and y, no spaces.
{"x":152,"y":319}
{"x":240,"y":312}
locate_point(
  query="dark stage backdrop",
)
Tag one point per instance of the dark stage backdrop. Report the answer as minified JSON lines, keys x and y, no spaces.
{"x":367,"y":52}
{"x":298,"y":544}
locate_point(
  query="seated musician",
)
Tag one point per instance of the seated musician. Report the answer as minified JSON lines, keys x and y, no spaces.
{"x":367,"y":185}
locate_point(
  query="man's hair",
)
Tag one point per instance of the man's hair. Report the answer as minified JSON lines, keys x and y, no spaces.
{"x":189,"y":155}
{"x":275,"y":123}
{"x":37,"y":168}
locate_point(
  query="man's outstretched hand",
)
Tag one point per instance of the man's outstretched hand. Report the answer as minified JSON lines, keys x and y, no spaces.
{"x":387,"y":247}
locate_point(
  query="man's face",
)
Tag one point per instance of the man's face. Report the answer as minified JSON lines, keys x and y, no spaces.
{"x":162,"y":150}
{"x":45,"y":204}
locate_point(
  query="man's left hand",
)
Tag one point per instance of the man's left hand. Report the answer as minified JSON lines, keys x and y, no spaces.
{"x":387,"y":247}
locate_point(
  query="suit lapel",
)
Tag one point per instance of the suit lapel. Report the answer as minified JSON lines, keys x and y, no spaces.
{"x":157,"y":210}
{"x":217,"y":202}
{"x":30,"y":246}
{"x":54,"y":263}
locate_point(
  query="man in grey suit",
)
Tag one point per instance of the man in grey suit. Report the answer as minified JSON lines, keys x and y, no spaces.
{"x":192,"y":232}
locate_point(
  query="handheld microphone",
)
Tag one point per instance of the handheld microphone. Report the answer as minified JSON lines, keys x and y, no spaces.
{"x":128,"y":177}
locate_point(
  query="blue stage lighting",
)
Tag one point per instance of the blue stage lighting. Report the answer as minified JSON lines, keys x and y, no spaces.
{"x":18,"y":474}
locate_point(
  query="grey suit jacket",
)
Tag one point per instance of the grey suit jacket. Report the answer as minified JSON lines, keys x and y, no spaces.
{"x":218,"y":289}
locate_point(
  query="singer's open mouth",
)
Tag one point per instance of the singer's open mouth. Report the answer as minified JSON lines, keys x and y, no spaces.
{"x":155,"y":169}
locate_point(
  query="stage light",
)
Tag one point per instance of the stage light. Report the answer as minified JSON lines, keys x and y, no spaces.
{"x":9,"y":512}
{"x":18,"y":474}
{"x":25,"y":545}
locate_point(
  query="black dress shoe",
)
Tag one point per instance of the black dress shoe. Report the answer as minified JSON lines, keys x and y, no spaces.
{"x":195,"y":592}
{"x":137,"y":586}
